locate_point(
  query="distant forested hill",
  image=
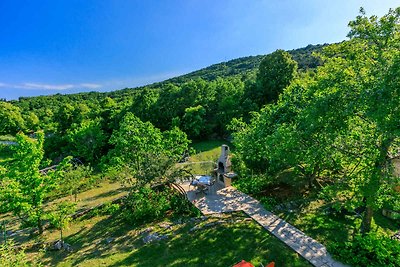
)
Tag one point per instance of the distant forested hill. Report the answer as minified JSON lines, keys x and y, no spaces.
{"x":201,"y":103}
{"x":244,"y":66}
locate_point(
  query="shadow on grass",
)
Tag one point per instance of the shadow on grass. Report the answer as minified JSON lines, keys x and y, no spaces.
{"x":89,"y":242}
{"x":209,"y":145}
{"x":105,"y":194}
{"x":386,"y":223}
{"x":325,"y":227}
{"x":221,"y":245}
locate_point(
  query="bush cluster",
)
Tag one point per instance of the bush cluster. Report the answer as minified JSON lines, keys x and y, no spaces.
{"x":368,"y":250}
{"x":148,"y":204}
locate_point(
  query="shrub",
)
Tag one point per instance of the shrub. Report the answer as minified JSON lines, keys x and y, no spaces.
{"x":75,"y":180}
{"x":253,"y":184}
{"x":147,"y":204}
{"x":268,"y":202}
{"x":369,"y":250}
{"x":109,"y":209}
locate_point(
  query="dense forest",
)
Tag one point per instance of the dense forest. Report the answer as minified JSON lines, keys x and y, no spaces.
{"x":201,"y":103}
{"x":328,"y":115}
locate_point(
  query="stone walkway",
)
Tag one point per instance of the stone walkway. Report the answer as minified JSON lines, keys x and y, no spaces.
{"x":229,"y":199}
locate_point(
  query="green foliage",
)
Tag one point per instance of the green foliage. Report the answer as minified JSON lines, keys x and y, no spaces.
{"x":143,"y":152}
{"x":64,"y":117}
{"x":336,"y":127}
{"x":6,"y":153}
{"x":134,"y":140}
{"x":107,"y":209}
{"x":87,"y":141}
{"x":193,"y":121}
{"x":31,"y":121}
{"x":144,"y":156}
{"x":24,"y":188}
{"x":145,"y":205}
{"x":369,"y":250}
{"x":276,"y":71}
{"x":143,"y":106}
{"x":110,"y":209}
{"x":148,"y":204}
{"x":252,"y":184}
{"x":268,"y":202}
{"x":11,"y":257}
{"x":75,"y":180}
{"x":175,"y":143}
{"x":60,"y":217}
{"x":11,"y":120}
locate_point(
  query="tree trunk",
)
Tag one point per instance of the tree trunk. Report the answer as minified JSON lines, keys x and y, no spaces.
{"x":40,"y":226}
{"x":375,"y":183}
{"x":367,"y":220}
{"x":313,"y":176}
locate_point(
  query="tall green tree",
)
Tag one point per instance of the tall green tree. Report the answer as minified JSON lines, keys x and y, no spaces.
{"x":87,"y":140}
{"x":342,"y":120}
{"x":275,"y":72}
{"x":144,"y":151}
{"x":194,"y":121}
{"x":23,"y":187}
{"x":11,"y":120}
{"x":369,"y":104}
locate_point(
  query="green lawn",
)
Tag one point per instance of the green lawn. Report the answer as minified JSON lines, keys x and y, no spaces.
{"x":104,"y":192}
{"x":6,"y":154}
{"x":306,"y":211}
{"x":313,"y":219}
{"x":208,"y":150}
{"x":207,"y":153}
{"x":218,"y":245}
{"x":7,"y":138}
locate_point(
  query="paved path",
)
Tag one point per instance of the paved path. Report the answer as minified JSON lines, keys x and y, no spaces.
{"x":229,"y":199}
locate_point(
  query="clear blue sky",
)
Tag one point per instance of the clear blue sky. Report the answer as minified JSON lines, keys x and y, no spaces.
{"x":56,"y":46}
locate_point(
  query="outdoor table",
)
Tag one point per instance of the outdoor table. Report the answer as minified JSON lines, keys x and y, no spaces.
{"x":201,"y":182}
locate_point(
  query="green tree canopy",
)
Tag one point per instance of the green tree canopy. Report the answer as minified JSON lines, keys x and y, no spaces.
{"x":193,"y":121}
{"x":144,"y":149}
{"x":276,"y":71}
{"x":11,"y":120}
{"x":87,"y":141}
{"x":342,"y":121}
{"x":24,"y":187}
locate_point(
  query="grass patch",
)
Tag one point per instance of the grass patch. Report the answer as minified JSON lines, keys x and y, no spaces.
{"x":329,"y":228}
{"x":290,"y":198}
{"x":104,"y":192}
{"x":7,"y":137}
{"x":207,"y":153}
{"x":219,"y":244}
{"x":208,"y":150}
{"x":6,"y":154}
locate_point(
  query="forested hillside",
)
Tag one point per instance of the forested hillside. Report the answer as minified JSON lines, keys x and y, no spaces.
{"x":243,"y":67}
{"x":201,"y":103}
{"x":247,"y":66}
